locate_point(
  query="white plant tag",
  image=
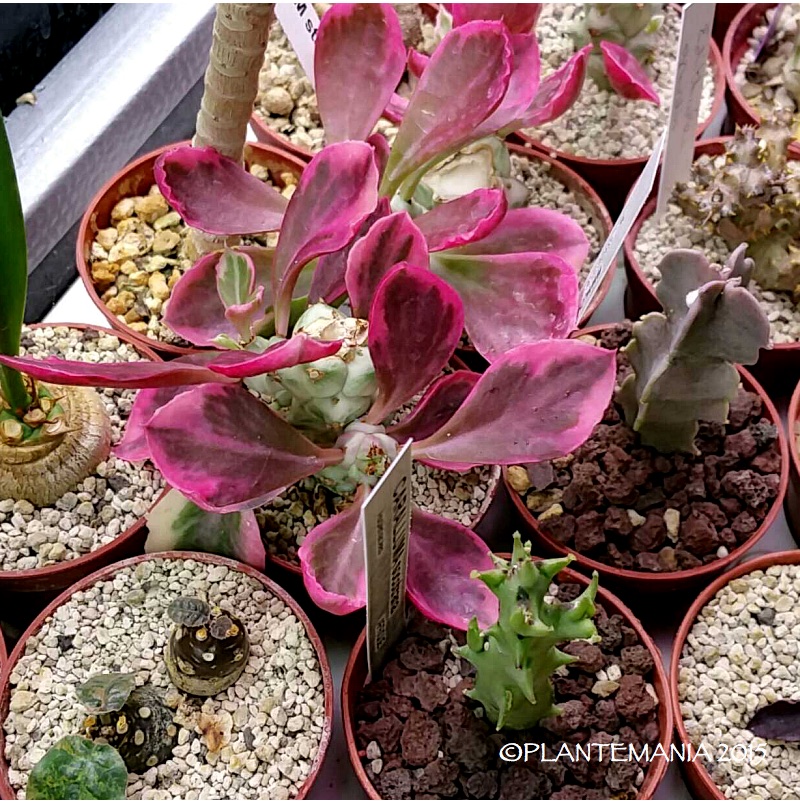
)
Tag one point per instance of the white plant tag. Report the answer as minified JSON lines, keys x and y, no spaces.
{"x":633,"y":206}
{"x":697,"y":19}
{"x":300,"y":23}
{"x":386,"y":525}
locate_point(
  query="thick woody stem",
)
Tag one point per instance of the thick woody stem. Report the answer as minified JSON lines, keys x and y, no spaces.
{"x":241,"y":32}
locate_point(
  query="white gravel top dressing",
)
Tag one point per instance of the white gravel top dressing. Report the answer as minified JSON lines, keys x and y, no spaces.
{"x":601,"y":124}
{"x":272,"y":718}
{"x":769,"y":93}
{"x":742,"y":654}
{"x":679,"y":231}
{"x":107,"y":502}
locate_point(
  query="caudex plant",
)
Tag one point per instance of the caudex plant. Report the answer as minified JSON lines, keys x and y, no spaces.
{"x":329,"y":390}
{"x":515,"y":658}
{"x":683,"y":359}
{"x":51,"y":436}
{"x":752,"y":197}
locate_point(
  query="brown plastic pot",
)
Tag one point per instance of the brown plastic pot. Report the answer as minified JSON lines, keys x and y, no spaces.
{"x":613,"y":178}
{"x":355,"y":677}
{"x":724,"y":15}
{"x":679,"y":580}
{"x":697,"y":777}
{"x":6,"y":790}
{"x":136,"y":179}
{"x":3,"y":652}
{"x":53,"y":578}
{"x":776,"y":367}
{"x":733,"y":50}
{"x":792,"y":503}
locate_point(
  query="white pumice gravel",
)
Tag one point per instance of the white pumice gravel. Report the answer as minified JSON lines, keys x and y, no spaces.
{"x":678,"y":230}
{"x":106,"y":503}
{"x":276,"y":710}
{"x":767,"y":93}
{"x":735,"y":663}
{"x":601,"y":124}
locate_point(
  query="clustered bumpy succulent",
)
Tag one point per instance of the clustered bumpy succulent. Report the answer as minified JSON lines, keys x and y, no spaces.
{"x":752,"y":198}
{"x":207,"y":649}
{"x":516,"y":657}
{"x":631,"y":25}
{"x":683,"y":359}
{"x":134,"y":720}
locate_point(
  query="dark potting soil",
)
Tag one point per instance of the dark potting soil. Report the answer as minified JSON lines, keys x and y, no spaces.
{"x":421,"y":737}
{"x":614,"y":492}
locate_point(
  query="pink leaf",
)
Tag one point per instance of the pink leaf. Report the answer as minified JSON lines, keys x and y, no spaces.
{"x":463,"y":220}
{"x":441,"y":556}
{"x":332,"y":560}
{"x":417,"y":62}
{"x":381,"y":149}
{"x":512,"y":299}
{"x":532,"y":229}
{"x":227,"y":451}
{"x":133,"y":445}
{"x":556,"y":93}
{"x":243,"y":297}
{"x":626,"y":75}
{"x":389,"y":241}
{"x":396,"y":108}
{"x":537,"y":402}
{"x":438,"y":404}
{"x":415,"y":324}
{"x":519,"y":18}
{"x":337,"y":191}
{"x":300,"y":348}
{"x":216,"y":194}
{"x":177,"y":524}
{"x":463,"y":84}
{"x":328,"y":283}
{"x":128,"y":375}
{"x":359,"y":59}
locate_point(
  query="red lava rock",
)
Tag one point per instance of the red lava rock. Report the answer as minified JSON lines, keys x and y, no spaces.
{"x":653,"y":497}
{"x":386,"y":731}
{"x":605,"y":713}
{"x":589,"y":532}
{"x":741,"y":445}
{"x":636,"y":660}
{"x":395,"y":673}
{"x":428,"y":689}
{"x":744,"y":525}
{"x":617,"y":521}
{"x":674,"y":483}
{"x":667,"y":560}
{"x":632,"y":700}
{"x":743,"y":406}
{"x":561,"y":528}
{"x":420,"y":740}
{"x":650,"y":535}
{"x":618,"y":558}
{"x":698,"y":535}
{"x":439,"y":778}
{"x":519,"y":782}
{"x":418,"y":656}
{"x":730,"y":507}
{"x":481,"y":785}
{"x":648,"y":561}
{"x":394,"y":784}
{"x":615,"y":460}
{"x":397,"y":706}
{"x":769,"y":461}
{"x":573,"y":686}
{"x":686,"y":560}
{"x":696,"y":488}
{"x":577,"y":792}
{"x":590,"y":656}
{"x":710,"y":511}
{"x":749,"y":486}
{"x":368,"y":711}
{"x":764,"y":433}
{"x":622,"y":775}
{"x":728,"y":538}
{"x":618,"y":489}
{"x":639,"y":472}
{"x":574,"y":715}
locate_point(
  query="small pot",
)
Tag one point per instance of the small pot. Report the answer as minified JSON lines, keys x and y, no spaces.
{"x":3,"y":652}
{"x":53,"y":578}
{"x":792,"y":503}
{"x":355,"y":677}
{"x":8,"y":793}
{"x":724,"y":15}
{"x":775,"y":366}
{"x":136,"y":179}
{"x":613,"y":178}
{"x":679,"y":580}
{"x":697,"y":777}
{"x":733,"y":50}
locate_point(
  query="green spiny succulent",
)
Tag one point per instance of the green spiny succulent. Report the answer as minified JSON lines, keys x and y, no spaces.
{"x":631,"y":25}
{"x":752,"y":198}
{"x":77,"y":768}
{"x":683,"y":359}
{"x":517,"y":656}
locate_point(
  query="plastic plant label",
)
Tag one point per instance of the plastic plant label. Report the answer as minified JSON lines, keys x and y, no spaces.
{"x":300,"y":23}
{"x":697,"y":20}
{"x":386,"y":525}
{"x":633,"y":206}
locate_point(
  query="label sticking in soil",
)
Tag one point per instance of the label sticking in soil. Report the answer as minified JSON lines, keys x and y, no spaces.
{"x":697,"y":20}
{"x":300,"y":23}
{"x":633,"y":206}
{"x":386,"y":524}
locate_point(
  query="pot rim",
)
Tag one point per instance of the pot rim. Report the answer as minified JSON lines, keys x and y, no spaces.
{"x":710,"y":788}
{"x":653,"y":580}
{"x":7,"y":791}
{"x":85,"y":236}
{"x":40,"y":575}
{"x":657,"y":769}
{"x":791,"y":421}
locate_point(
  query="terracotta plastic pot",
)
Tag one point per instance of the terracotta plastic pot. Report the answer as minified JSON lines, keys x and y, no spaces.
{"x":355,"y":677}
{"x":613,"y":178}
{"x":792,"y":503}
{"x":724,"y":15}
{"x":8,"y":793}
{"x":3,"y":652}
{"x":776,"y":367}
{"x":136,"y":179}
{"x":733,"y":50}
{"x":53,"y":578}
{"x":696,"y":774}
{"x":678,"y":580}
